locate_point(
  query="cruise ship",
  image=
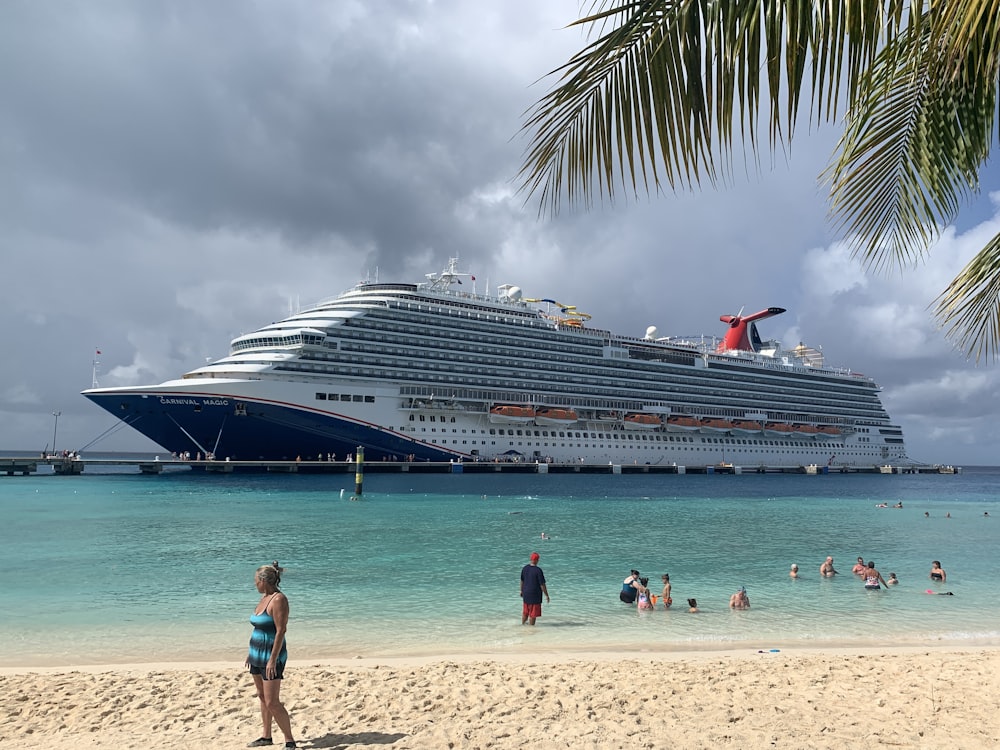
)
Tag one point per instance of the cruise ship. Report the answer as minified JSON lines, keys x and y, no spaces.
{"x":435,"y":371}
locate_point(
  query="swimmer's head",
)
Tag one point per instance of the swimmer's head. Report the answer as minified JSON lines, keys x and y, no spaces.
{"x":794,"y":566}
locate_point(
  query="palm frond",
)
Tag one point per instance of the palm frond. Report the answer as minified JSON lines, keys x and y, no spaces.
{"x":914,"y":142}
{"x":656,"y":99}
{"x":970,"y":307}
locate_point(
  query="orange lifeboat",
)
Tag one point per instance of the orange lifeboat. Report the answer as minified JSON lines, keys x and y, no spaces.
{"x":808,"y":430}
{"x":825,"y":432}
{"x":639,"y":421}
{"x":779,"y":430}
{"x":681,"y":423}
{"x":549,"y":415}
{"x":746,"y":427}
{"x":716,"y":426}
{"x":510,"y":414}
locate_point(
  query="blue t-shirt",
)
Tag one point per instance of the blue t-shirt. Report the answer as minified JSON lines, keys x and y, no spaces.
{"x":532,"y":580}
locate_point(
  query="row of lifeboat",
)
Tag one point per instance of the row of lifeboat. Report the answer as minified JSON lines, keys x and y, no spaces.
{"x":554,"y":416}
{"x":681,"y":423}
{"x":549,"y":416}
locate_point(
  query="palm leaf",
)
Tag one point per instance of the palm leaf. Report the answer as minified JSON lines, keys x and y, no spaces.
{"x":653,"y":101}
{"x":970,"y":306}
{"x":912,"y":148}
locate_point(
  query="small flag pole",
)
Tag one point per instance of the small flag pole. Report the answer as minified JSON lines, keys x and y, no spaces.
{"x":96,"y":363}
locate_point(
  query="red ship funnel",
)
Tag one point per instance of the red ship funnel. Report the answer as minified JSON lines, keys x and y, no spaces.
{"x":742,"y":334}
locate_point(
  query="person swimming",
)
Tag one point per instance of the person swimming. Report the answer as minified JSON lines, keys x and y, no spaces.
{"x":643,"y":600}
{"x":693,"y":605}
{"x":937,"y":572}
{"x":740,"y":600}
{"x":873,"y":578}
{"x":630,"y":588}
{"x":826,"y":569}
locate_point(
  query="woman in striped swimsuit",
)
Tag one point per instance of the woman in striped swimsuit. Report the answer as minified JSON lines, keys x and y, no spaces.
{"x":267,"y":656}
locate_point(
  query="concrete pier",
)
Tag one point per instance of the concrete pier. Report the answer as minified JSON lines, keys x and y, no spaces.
{"x":73,"y":466}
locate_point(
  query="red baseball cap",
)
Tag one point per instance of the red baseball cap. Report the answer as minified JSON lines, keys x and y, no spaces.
{"x":534,"y":557}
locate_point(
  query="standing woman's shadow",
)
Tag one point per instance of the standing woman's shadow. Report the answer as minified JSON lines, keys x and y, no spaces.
{"x":343,"y":740}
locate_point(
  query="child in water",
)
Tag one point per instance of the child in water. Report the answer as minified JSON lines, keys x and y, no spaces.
{"x":643,"y":599}
{"x":693,"y":605}
{"x":667,"y":601}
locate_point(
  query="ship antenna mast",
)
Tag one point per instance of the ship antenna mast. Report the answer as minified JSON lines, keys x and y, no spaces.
{"x":96,"y":363}
{"x":450,"y":275}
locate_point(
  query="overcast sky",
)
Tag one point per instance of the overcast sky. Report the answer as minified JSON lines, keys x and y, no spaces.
{"x":177,"y":173}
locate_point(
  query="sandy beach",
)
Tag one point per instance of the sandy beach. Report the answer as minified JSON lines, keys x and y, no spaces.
{"x":932,"y":697}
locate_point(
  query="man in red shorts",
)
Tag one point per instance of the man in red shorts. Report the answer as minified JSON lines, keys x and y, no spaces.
{"x":532,"y":588}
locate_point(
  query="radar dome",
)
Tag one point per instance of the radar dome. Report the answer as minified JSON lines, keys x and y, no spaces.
{"x":651,"y":333}
{"x":509,"y":292}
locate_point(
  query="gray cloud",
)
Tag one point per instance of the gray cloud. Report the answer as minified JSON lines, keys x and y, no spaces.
{"x":177,"y":173}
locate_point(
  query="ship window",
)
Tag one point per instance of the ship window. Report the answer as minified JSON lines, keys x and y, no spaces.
{"x":421,"y":417}
{"x":453,"y":420}
{"x":562,"y":434}
{"x":321,"y":397}
{"x":433,"y":418}
{"x":345,"y":396}
{"x":369,"y":399}
{"x":359,"y":398}
{"x":492,"y":431}
{"x":411,"y":418}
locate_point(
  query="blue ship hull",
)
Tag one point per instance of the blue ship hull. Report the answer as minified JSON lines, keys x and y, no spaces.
{"x":243,"y":429}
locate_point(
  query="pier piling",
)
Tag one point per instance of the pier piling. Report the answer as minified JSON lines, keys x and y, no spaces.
{"x":359,"y":471}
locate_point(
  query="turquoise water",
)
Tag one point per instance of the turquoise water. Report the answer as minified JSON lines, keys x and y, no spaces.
{"x":123,"y":567}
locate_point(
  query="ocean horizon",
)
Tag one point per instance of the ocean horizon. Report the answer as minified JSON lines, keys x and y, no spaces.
{"x":117,"y":567}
